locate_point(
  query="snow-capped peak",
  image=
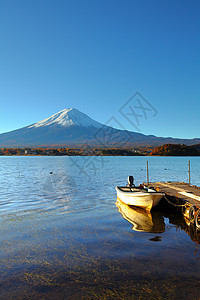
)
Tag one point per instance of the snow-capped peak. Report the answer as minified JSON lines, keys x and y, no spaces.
{"x":68,"y":117}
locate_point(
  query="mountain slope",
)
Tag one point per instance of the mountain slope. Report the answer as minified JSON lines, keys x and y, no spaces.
{"x":70,"y":127}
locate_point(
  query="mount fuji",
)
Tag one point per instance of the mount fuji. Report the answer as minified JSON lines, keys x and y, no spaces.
{"x":72,"y":128}
{"x":66,"y":118}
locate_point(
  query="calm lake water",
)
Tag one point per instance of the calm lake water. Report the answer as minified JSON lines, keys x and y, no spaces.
{"x":64,"y":235}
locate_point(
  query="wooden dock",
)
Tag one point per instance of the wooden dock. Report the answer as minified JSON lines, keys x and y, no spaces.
{"x":180,"y":190}
{"x":184,"y":197}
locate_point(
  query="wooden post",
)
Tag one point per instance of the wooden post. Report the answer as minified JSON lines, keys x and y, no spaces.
{"x":147,"y":173}
{"x":189,"y":170}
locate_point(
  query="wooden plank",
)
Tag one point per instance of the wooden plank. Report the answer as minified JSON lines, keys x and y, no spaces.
{"x":190,"y":195}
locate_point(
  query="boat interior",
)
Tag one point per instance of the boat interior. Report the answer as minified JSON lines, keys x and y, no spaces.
{"x":134,"y":189}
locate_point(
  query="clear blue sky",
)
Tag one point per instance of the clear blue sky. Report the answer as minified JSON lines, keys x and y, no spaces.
{"x":93,"y":55}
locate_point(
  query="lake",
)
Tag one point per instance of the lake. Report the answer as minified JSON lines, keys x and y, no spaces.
{"x":65,"y":236}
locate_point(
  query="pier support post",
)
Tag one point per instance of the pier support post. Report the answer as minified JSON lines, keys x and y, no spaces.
{"x":189,"y":170}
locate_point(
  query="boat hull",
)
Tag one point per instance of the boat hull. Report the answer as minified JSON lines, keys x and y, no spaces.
{"x":145,"y":200}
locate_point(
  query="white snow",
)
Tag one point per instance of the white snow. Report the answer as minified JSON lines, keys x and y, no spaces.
{"x":68,"y":117}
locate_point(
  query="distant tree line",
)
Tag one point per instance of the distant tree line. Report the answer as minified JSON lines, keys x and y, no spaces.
{"x":176,"y":150}
{"x":89,"y":151}
{"x":164,"y":150}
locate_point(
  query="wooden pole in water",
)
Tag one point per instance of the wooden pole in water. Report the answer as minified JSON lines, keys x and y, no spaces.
{"x":189,"y":170}
{"x":147,"y":173}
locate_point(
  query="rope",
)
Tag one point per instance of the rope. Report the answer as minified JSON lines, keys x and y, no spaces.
{"x":176,"y":205}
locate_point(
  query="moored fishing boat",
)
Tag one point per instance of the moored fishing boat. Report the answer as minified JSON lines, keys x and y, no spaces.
{"x":141,"y":196}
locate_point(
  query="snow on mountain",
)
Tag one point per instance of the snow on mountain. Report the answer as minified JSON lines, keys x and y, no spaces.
{"x":66,"y":118}
{"x":71,"y":128}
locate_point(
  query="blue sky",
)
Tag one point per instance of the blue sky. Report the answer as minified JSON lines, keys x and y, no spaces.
{"x":94,"y":55}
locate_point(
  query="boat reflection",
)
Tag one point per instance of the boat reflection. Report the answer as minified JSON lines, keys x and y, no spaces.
{"x":153,"y":221}
{"x":183,"y":224}
{"x":141,"y":219}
